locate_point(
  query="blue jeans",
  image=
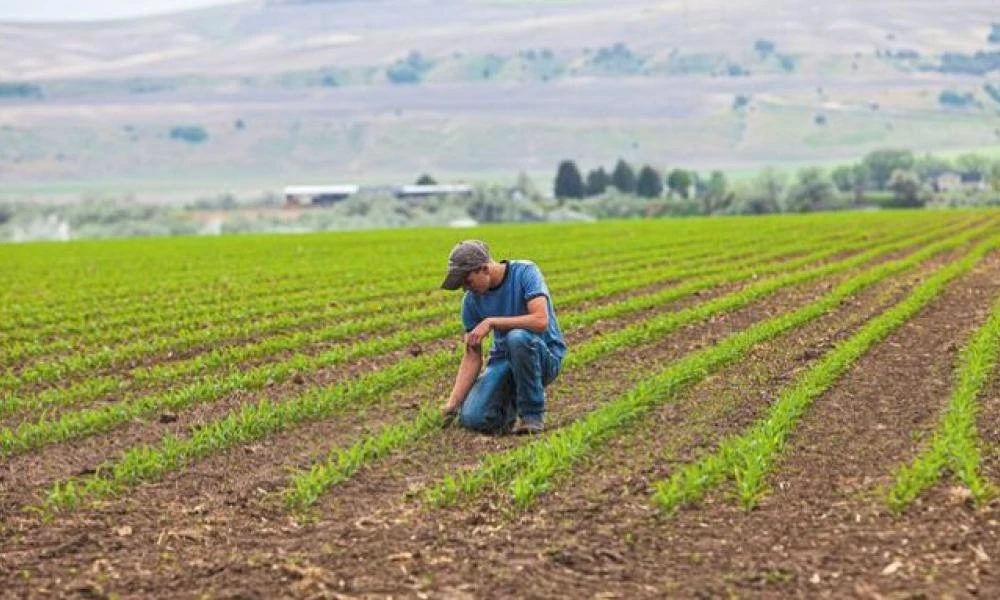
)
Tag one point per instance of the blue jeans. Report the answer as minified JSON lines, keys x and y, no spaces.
{"x":511,"y":386}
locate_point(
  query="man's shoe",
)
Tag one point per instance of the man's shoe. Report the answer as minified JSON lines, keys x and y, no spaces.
{"x":528,"y":427}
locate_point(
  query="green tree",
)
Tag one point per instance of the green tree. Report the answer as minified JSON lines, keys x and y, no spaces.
{"x":766,"y":193}
{"x":598,"y":181}
{"x":569,"y":183}
{"x":852,"y":179}
{"x":928,"y":167}
{"x":882,"y":163}
{"x":679,"y":182}
{"x":623,"y":177}
{"x":955,"y":99}
{"x":650,"y":183}
{"x":715,"y":198}
{"x":20,"y":90}
{"x":843,"y":178}
{"x":527,"y":187}
{"x":812,"y":191}
{"x":905,"y":186}
{"x":426,"y":179}
{"x":974,"y":163}
{"x":192,"y":134}
{"x":410,"y":69}
{"x":764,"y":47}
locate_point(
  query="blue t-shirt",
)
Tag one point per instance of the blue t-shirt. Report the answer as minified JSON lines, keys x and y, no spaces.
{"x":522,"y":281}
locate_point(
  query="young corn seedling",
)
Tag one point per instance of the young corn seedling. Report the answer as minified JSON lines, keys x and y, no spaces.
{"x":954,"y":445}
{"x":762,"y":442}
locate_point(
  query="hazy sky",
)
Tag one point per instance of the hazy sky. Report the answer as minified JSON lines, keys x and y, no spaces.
{"x":92,"y":10}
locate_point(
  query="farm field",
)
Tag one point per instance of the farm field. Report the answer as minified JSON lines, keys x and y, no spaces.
{"x":795,"y":406}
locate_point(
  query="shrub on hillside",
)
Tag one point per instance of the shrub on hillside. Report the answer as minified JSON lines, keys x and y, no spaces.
{"x":192,"y":134}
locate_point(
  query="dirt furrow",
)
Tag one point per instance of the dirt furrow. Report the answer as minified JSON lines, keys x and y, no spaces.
{"x":223,"y":501}
{"x":314,"y":349}
{"x":823,"y":532}
{"x":988,"y":427}
{"x":21,"y":476}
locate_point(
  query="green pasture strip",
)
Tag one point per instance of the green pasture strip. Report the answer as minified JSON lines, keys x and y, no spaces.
{"x":955,"y":444}
{"x":94,"y":270}
{"x":232,"y":357}
{"x":302,"y":292}
{"x":405,"y":307}
{"x":97,"y":267}
{"x":49,"y":371}
{"x":266,"y":417}
{"x":748,"y":458}
{"x":306,"y":296}
{"x":322,"y":269}
{"x":28,"y":343}
{"x":346,"y":271}
{"x":87,"y":422}
{"x":529,"y":469}
{"x":195,"y":335}
{"x":306,"y":487}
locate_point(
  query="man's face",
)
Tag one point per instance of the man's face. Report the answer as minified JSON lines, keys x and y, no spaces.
{"x":478,"y":281}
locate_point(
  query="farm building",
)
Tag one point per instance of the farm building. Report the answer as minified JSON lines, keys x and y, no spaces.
{"x":424,"y":191}
{"x":318,"y":195}
{"x":951,"y":180}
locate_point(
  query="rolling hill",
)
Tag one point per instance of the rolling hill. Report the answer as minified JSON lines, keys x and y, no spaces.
{"x":249,"y":96}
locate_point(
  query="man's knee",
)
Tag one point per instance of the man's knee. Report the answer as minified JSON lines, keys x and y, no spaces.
{"x":520,"y":340}
{"x":470,"y":419}
{"x":474,"y":418}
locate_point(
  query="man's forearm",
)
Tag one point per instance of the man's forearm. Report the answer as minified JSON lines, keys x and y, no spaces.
{"x":529,"y":321}
{"x":467,"y":373}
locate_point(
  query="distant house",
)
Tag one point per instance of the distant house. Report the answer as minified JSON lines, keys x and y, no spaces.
{"x":948,"y":181}
{"x":974,"y":181}
{"x":951,"y":181}
{"x":318,"y":195}
{"x":425,"y":191}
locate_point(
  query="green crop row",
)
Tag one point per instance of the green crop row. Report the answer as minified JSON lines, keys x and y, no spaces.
{"x":529,"y":469}
{"x":227,"y":357}
{"x":349,"y":272}
{"x":306,"y":486}
{"x":748,"y":458}
{"x":954,"y":446}
{"x":187,"y":336}
{"x":329,"y":267}
{"x":173,"y":452}
{"x":248,"y":423}
{"x":302,"y":293}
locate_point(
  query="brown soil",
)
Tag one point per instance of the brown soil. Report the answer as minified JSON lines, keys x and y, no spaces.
{"x":216,"y":527}
{"x":24,"y":476}
{"x":823,"y":531}
{"x":988,"y":426}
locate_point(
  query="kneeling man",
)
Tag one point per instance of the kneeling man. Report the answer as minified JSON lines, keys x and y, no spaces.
{"x":510,"y":299}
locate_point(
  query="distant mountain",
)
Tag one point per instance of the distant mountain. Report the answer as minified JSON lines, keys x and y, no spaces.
{"x":378,"y":89}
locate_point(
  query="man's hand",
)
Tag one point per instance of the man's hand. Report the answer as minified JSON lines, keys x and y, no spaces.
{"x":476,"y":336}
{"x":449,"y":413}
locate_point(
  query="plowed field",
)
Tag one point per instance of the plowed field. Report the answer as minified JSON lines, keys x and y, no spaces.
{"x":756,"y":407}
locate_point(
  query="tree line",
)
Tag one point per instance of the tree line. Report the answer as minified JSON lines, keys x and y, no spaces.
{"x":648,"y":183}
{"x":888,"y":178}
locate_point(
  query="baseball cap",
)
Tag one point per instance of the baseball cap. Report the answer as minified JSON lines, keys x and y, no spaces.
{"x":465,"y":257}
